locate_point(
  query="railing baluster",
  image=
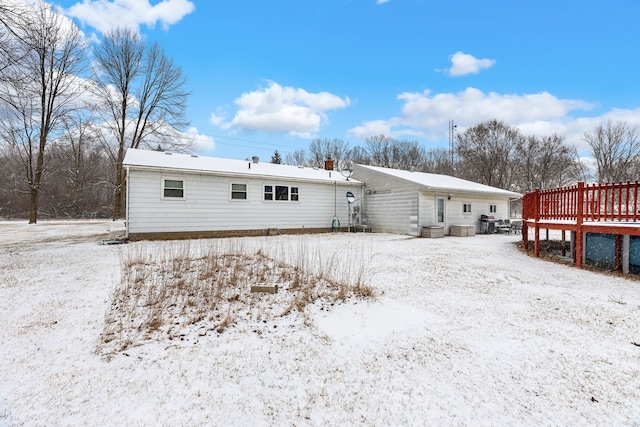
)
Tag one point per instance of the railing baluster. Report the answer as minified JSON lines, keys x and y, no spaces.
{"x":628,"y":201}
{"x":620,"y":218}
{"x":635,"y":201}
{"x":606,"y":200}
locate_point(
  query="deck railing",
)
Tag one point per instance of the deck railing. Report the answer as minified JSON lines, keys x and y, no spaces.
{"x":584,"y":202}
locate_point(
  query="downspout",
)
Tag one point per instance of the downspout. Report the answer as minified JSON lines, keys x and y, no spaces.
{"x":127,"y":196}
{"x":335,"y":222}
{"x":335,"y":199}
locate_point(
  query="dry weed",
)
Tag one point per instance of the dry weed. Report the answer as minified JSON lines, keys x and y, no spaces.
{"x":167,"y":288}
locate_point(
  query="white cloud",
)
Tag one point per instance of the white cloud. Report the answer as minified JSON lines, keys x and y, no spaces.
{"x":200,"y":141}
{"x":426,"y":115}
{"x":371,"y":128}
{"x":279,"y":109}
{"x":105,"y":15}
{"x":218,"y":117}
{"x":463,"y":64}
{"x":473,"y":105}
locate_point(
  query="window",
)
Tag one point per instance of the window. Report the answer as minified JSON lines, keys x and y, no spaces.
{"x":239,"y":191}
{"x":268,"y":192}
{"x":173,"y":188}
{"x":493,"y":209}
{"x":466,"y":208}
{"x":282,"y":192}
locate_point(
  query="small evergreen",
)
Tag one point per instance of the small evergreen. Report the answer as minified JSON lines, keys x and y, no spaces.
{"x":276,"y":158}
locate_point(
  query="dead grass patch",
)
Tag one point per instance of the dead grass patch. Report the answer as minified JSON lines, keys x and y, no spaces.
{"x":171,"y":290}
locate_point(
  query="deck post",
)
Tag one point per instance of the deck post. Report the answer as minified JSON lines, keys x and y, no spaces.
{"x":536,"y":230}
{"x":579,"y":214}
{"x":617,"y":258}
{"x":626,"y":243}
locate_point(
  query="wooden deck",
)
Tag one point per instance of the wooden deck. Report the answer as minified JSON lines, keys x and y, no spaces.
{"x":582,"y":208}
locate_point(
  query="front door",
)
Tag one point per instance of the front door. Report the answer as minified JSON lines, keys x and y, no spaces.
{"x":440,"y":211}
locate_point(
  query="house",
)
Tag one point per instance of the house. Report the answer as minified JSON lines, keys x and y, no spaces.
{"x":403,"y":202}
{"x":173,"y":195}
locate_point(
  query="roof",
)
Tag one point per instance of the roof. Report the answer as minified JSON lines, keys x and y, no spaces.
{"x":147,"y":159}
{"x":437,"y":182}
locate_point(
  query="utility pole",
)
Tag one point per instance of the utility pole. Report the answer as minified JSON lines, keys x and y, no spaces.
{"x":452,"y":128}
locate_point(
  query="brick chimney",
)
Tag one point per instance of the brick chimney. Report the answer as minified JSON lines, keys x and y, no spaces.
{"x":328,"y":164}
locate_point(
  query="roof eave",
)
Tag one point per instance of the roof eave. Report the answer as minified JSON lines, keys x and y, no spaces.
{"x":241,"y":175}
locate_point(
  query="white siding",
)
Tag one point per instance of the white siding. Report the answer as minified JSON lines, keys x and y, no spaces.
{"x":390,"y":204}
{"x":207,"y":205}
{"x":396,"y":205}
{"x":454,"y":208}
{"x":427,"y":203}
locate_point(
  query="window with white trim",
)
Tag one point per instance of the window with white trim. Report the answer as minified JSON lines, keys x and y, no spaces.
{"x":281,"y":193}
{"x":268,"y":192}
{"x":173,"y":188}
{"x":466,"y":208}
{"x":238,"y":191}
{"x":493,"y":208}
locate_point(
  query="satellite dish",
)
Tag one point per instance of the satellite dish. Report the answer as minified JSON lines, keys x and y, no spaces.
{"x":350,"y":197}
{"x":347,"y":173}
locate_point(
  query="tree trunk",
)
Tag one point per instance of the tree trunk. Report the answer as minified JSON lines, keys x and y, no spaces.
{"x":35,"y":185}
{"x":117,"y":191}
{"x":33,"y":205}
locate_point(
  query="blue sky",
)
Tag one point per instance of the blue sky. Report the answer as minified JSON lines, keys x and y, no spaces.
{"x":267,"y":75}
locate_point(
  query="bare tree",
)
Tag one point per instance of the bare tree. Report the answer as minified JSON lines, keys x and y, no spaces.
{"x":545,"y":162}
{"x":13,"y":16}
{"x":486,"y":153}
{"x":41,"y":88}
{"x":359,"y":155}
{"x":143,"y":98}
{"x":80,"y":177}
{"x":380,"y":148}
{"x":408,"y":155}
{"x":14,"y":192}
{"x":438,"y":161}
{"x":389,"y":152}
{"x":321,"y":149}
{"x":615,"y":148}
{"x":297,"y":158}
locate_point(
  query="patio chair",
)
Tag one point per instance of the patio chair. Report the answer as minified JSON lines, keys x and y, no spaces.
{"x":516,"y":226}
{"x":503,"y":226}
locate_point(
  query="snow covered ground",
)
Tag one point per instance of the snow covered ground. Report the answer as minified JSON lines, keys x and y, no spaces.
{"x":465,"y":331}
